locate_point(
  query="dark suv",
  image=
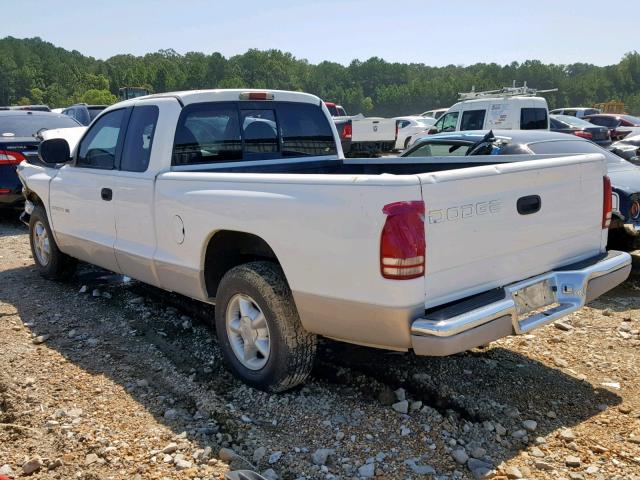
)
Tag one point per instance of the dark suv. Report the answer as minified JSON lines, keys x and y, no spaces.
{"x":83,"y":113}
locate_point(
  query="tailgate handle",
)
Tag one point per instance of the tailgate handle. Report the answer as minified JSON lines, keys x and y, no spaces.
{"x":529,"y":204}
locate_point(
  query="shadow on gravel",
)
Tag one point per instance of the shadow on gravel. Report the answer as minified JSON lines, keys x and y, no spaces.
{"x":10,"y":220}
{"x":496,"y":384}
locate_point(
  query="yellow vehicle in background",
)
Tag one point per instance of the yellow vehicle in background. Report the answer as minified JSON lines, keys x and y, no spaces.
{"x":611,"y":107}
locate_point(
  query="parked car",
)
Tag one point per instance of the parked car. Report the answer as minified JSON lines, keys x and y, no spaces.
{"x":619,"y":125}
{"x":625,"y":177}
{"x":437,"y":113}
{"x":83,"y":113}
{"x":33,"y":108}
{"x":580,"y":128}
{"x":18,"y":142}
{"x":336,"y":110}
{"x":628,"y":148}
{"x":345,"y":132}
{"x":505,"y":113}
{"x":579,"y":112}
{"x":291,"y":241}
{"x":408,"y":126}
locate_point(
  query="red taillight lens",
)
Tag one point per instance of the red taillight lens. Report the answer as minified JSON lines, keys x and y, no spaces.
{"x":8,"y":157}
{"x":346,"y":131}
{"x":402,"y":244}
{"x":4,"y":191}
{"x":583,"y":134}
{"x":256,"y":96}
{"x":606,"y":202}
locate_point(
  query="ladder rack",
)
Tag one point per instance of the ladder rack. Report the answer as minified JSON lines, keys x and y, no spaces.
{"x":513,"y":91}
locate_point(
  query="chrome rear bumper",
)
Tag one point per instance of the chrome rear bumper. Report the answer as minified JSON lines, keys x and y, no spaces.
{"x":477,"y":321}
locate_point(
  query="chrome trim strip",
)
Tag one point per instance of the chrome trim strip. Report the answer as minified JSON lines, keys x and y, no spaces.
{"x":570,"y":288}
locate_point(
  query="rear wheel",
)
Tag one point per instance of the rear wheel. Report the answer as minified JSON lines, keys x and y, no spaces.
{"x":50,"y":261}
{"x":259,"y":329}
{"x":406,"y":142}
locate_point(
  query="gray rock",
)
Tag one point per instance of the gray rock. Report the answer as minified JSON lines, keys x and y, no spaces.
{"x":513,"y":473}
{"x":530,"y":425}
{"x":321,"y":456}
{"x":83,"y":289}
{"x":274,"y":457}
{"x":572,"y":461}
{"x":6,"y":470}
{"x":182,"y":464}
{"x":96,"y":293}
{"x":519,"y":434}
{"x":460,"y":456}
{"x":537,"y":453}
{"x":226,"y":454}
{"x":171,"y":414}
{"x":478,"y":452}
{"x":339,"y":436}
{"x":32,"y":466}
{"x":170,"y":448}
{"x":367,"y":470}
{"x":246,"y":419}
{"x":258,"y":454}
{"x":500,"y":430}
{"x":91,"y":459}
{"x":418,"y":469}
{"x":401,"y":407}
{"x":401,"y":394}
{"x":270,"y":474}
{"x":560,"y":362}
{"x":567,"y":435}
{"x":540,"y":465}
{"x":40,"y":339}
{"x":475,"y":464}
{"x":563,"y":325}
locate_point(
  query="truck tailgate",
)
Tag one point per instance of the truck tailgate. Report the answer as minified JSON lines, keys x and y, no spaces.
{"x":484,"y":228}
{"x":373,"y":130}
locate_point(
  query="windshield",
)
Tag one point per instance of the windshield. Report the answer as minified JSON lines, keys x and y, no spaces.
{"x":573,"y":121}
{"x":29,"y":125}
{"x":632,"y":119}
{"x":562,"y":147}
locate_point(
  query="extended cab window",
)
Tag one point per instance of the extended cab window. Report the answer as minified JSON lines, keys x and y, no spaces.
{"x":305,"y":131}
{"x":208,"y":132}
{"x":139,"y":138}
{"x":473,"y":120}
{"x":98,"y":147}
{"x":533,"y":119}
{"x":260,"y":134}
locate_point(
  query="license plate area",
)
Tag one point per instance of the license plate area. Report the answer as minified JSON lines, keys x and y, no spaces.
{"x":533,"y":298}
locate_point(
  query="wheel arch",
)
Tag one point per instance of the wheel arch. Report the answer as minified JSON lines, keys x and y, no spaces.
{"x":227,"y":249}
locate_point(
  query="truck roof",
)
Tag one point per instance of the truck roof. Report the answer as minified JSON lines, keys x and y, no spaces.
{"x":227,"y":95}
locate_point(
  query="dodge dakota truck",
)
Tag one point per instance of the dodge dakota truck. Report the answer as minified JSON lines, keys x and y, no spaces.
{"x":243,"y":199}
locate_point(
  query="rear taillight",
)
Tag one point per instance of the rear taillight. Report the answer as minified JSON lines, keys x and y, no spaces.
{"x":402,"y":243}
{"x":7,"y":157}
{"x":4,"y":191}
{"x":606,"y":202}
{"x":346,"y":131}
{"x":583,"y":134}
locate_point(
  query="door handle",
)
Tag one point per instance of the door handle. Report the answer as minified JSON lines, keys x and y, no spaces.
{"x":106,"y":194}
{"x":528,"y":205}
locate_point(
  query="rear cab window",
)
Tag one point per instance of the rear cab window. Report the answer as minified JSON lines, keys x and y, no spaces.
{"x":136,"y":150}
{"x":534,"y":119}
{"x":248,"y":131}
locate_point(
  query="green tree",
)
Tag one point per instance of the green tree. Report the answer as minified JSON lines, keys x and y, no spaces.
{"x":98,"y":97}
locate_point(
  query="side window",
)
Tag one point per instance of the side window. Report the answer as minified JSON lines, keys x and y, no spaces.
{"x":207,"y":133}
{"x":139,"y":138}
{"x":573,"y":113}
{"x":533,"y":119}
{"x":260,"y":134}
{"x":305,"y":130}
{"x":473,"y":120}
{"x":449,"y":122}
{"x":403,"y":123}
{"x":98,"y":147}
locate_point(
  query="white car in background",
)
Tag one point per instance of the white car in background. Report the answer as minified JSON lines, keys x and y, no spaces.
{"x":437,"y":113}
{"x":409,"y":126}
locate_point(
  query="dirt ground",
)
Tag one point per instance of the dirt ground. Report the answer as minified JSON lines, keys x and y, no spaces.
{"x":103,"y":378}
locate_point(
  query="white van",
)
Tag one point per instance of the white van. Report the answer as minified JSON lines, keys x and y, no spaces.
{"x":499,"y":113}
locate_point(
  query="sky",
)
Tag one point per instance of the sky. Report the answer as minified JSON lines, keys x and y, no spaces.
{"x":435,"y":33}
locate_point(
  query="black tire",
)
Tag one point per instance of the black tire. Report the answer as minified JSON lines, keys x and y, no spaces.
{"x":406,"y":142}
{"x":60,"y":266}
{"x":292,"y":348}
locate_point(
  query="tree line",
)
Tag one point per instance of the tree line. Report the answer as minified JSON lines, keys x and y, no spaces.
{"x":33,"y":71}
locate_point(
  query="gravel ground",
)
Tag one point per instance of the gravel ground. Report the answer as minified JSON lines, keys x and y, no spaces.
{"x":102,"y":378}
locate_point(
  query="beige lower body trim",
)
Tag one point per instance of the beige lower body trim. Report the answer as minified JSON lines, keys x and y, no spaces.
{"x":355,"y":322}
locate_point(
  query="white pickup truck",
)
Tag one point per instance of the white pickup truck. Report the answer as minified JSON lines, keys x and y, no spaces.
{"x":241,"y":198}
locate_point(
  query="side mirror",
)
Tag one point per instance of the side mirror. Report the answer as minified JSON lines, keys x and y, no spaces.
{"x":433,"y":131}
{"x":54,"y":150}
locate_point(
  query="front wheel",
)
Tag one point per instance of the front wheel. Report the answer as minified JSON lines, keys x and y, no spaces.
{"x":50,"y":261}
{"x":259,"y":330}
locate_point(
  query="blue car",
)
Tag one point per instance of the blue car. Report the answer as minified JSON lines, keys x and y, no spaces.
{"x":19,"y":141}
{"x":624,"y":231}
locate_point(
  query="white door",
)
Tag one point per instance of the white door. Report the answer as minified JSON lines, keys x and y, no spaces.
{"x":134,"y":195}
{"x":81,"y":196}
